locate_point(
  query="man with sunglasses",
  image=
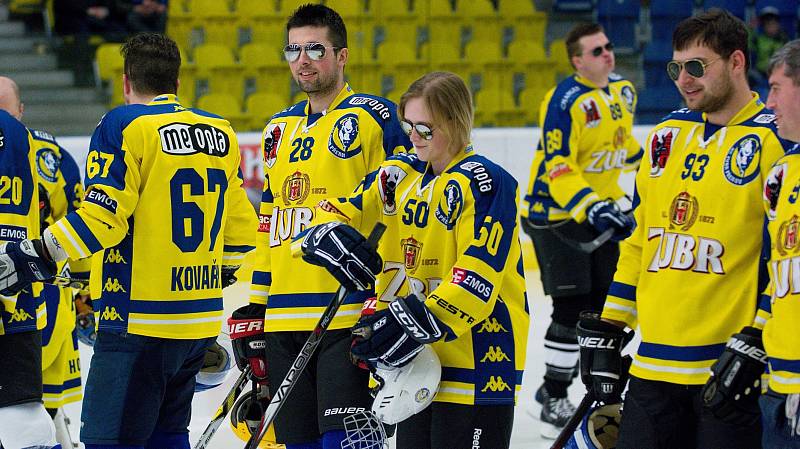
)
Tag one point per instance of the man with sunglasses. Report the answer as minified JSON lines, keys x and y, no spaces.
{"x":586,"y":143}
{"x":691,"y":273}
{"x":313,"y":150}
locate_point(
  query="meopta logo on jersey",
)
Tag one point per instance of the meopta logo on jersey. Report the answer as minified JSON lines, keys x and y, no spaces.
{"x":739,"y":166}
{"x":388,"y":179}
{"x":589,"y":107}
{"x":272,"y":141}
{"x":344,"y":142}
{"x":660,"y":148}
{"x":772,"y":188}
{"x":627,"y":95}
{"x":184,"y":139}
{"x":47,"y":164}
{"x":473,"y":283}
{"x":450,"y":205}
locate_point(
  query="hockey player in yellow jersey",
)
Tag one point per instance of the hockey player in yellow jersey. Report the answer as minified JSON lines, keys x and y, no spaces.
{"x":572,"y":197}
{"x":691,"y":273}
{"x":167,"y":215}
{"x":317,"y":148}
{"x":451,"y":264}
{"x":779,"y":405}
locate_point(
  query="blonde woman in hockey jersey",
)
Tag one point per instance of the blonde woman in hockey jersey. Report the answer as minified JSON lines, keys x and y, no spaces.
{"x":451,"y":275}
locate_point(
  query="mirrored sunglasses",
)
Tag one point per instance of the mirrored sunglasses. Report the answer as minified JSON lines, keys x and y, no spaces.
{"x":424,"y":131}
{"x":314,"y":50}
{"x":597,"y":51}
{"x":694,"y":67}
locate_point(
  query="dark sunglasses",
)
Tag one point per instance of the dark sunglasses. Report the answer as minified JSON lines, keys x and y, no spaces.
{"x":424,"y":131}
{"x":694,"y":67}
{"x":597,"y":51}
{"x":314,"y":50}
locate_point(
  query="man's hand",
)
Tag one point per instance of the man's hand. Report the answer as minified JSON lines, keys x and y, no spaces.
{"x":732,"y":391}
{"x":229,"y":275}
{"x":604,"y":215}
{"x":344,"y":252}
{"x":22,"y":263}
{"x":395,"y":335}
{"x":246,"y":329}
{"x":601,"y":344}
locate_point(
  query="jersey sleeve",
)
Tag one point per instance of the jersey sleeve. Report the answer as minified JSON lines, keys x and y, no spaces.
{"x":73,"y":193}
{"x":486,"y":231}
{"x":261,"y":279}
{"x":359,"y":210}
{"x":560,"y":134}
{"x":388,"y":138}
{"x":240,"y":222}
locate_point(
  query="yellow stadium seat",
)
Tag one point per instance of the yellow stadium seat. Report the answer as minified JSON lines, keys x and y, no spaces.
{"x":260,"y":106}
{"x":398,"y":10}
{"x":287,"y":7}
{"x":519,"y":12}
{"x":558,"y":55}
{"x":487,"y":62}
{"x":495,"y":107}
{"x":433,"y":10}
{"x":215,"y":64}
{"x":365,"y":77}
{"x":395,"y":95}
{"x":350,"y":10}
{"x":542,"y":77}
{"x":280,"y":82}
{"x":530,"y":100}
{"x":525,"y":54}
{"x":444,"y":56}
{"x":108,"y":62}
{"x":298,"y":97}
{"x":481,"y":19}
{"x":188,"y":80}
{"x":225,"y":106}
{"x":261,"y":9}
{"x":258,"y":58}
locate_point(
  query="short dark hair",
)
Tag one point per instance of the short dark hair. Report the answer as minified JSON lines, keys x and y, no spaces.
{"x":576,"y":33}
{"x":716,"y":29}
{"x":320,"y":16}
{"x":787,"y":57}
{"x":152,"y":63}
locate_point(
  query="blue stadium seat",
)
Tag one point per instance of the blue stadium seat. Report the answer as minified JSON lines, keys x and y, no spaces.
{"x":619,"y":19}
{"x":655,"y":103}
{"x":573,"y":5}
{"x":736,"y":7}
{"x":665,"y":15}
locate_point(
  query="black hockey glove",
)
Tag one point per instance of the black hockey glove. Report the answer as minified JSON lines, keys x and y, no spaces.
{"x":732,"y":391}
{"x":344,"y":252}
{"x":84,"y":320}
{"x":22,"y":263}
{"x":601,"y":346}
{"x":246,"y":329}
{"x":604,"y":215}
{"x":229,"y":275}
{"x":393,"y":336}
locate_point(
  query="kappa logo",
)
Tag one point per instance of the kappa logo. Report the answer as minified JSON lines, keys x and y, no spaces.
{"x":772,"y":188}
{"x":114,"y":256}
{"x":110,"y":314}
{"x":184,"y":139}
{"x":491,"y":325}
{"x":112,"y":285}
{"x":19,"y":315}
{"x":47,"y":164}
{"x":738,"y":167}
{"x":343,"y":141}
{"x":496,"y":384}
{"x":495,"y":354}
{"x":272,"y":141}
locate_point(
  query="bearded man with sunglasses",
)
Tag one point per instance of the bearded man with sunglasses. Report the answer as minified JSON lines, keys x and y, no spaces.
{"x":691,"y":273}
{"x":586,"y":144}
{"x":313,"y":150}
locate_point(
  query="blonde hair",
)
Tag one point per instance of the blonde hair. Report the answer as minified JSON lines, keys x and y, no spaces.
{"x":449,"y":102}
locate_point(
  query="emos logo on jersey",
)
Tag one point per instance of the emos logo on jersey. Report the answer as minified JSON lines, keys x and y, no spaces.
{"x":388,"y":179}
{"x":738,"y":167}
{"x":660,"y":147}
{"x":97,"y":196}
{"x":344,"y":142}
{"x":592,"y":112}
{"x":183,"y":139}
{"x":272,"y":140}
{"x":47,"y":164}
{"x":772,"y":188}
{"x":627,"y":95}
{"x":411,"y":250}
{"x":473,"y":283}
{"x":450,"y":205}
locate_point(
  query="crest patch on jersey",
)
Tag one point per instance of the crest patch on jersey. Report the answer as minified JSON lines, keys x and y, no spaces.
{"x":473,"y":283}
{"x":47,"y":164}
{"x":660,"y":147}
{"x":627,"y":96}
{"x":388,"y":179}
{"x":450,"y":205}
{"x":787,"y":236}
{"x":183,"y":139}
{"x":739,"y":166}
{"x":772,"y":188}
{"x":683,"y":211}
{"x":272,"y":140}
{"x":343,"y":141}
{"x":620,"y":137}
{"x":412,"y":248}
{"x":589,"y":107}
{"x":295,"y":188}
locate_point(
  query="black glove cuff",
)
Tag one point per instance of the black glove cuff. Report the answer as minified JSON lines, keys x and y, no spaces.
{"x":250,"y":311}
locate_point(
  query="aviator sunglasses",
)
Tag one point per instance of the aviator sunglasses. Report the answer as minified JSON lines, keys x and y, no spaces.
{"x":696,"y":68}
{"x":314,"y":50}
{"x":424,"y":131}
{"x":597,"y":51}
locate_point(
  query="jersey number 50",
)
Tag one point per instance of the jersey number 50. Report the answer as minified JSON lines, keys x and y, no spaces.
{"x":188,"y":215}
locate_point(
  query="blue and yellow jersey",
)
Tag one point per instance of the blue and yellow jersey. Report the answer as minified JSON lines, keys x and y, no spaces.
{"x":692,"y":271}
{"x":19,"y":219}
{"x":453,"y":239}
{"x":164,"y":210}
{"x":781,"y":339}
{"x":309,"y":157}
{"x":586,"y":144}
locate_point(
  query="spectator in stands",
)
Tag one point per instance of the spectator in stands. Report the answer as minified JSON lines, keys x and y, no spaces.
{"x":765,"y":40}
{"x":108,"y":18}
{"x":148,"y":16}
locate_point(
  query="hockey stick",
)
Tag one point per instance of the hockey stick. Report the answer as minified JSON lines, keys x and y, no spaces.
{"x":306,"y":352}
{"x":223,"y":409}
{"x":597,"y":242}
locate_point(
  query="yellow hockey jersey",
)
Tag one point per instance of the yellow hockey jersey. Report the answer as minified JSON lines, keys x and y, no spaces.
{"x":454,"y":239}
{"x":585,"y":145}
{"x":309,"y":157}
{"x":693,"y":269}
{"x":164,"y":203}
{"x":19,"y":219}
{"x":781,"y":339}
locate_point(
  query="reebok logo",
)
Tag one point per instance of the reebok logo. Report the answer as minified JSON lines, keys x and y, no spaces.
{"x":476,"y":438}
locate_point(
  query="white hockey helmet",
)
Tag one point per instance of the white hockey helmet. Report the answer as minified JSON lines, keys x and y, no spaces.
{"x":216,"y":365}
{"x":599,"y":429}
{"x":407,"y":390}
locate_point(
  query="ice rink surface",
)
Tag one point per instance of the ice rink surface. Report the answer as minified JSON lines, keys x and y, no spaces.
{"x":526,"y":428}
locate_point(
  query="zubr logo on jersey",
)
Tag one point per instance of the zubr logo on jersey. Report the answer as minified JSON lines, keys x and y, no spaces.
{"x":473,"y":283}
{"x":272,"y":141}
{"x":184,"y":139}
{"x":343,"y":141}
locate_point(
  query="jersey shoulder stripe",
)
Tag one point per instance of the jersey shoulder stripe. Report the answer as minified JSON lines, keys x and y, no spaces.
{"x":567,"y":92}
{"x":683,"y":114}
{"x":43,"y":136}
{"x":379,"y":108}
{"x":297,"y":110}
{"x":203,"y":113}
{"x":409,"y":159}
{"x":484,"y":175}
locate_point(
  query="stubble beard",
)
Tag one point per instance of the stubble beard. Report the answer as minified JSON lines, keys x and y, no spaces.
{"x":321,"y":86}
{"x":711,"y":102}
